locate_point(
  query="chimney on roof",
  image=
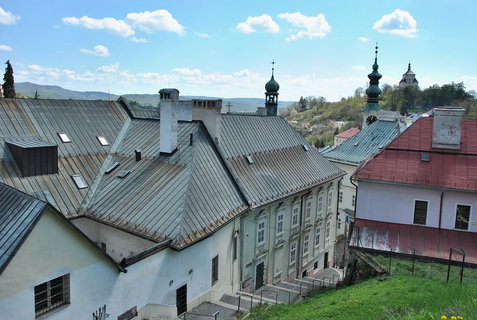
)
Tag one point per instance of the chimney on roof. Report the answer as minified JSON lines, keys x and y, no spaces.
{"x":207,"y":111}
{"x":447,"y":127}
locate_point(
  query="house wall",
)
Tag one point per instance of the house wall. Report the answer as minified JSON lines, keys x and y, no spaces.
{"x":346,"y":206}
{"x":395,"y":203}
{"x":274,"y":252}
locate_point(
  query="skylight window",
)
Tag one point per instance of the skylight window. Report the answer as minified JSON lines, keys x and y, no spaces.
{"x":103,"y":141}
{"x":249,"y":159}
{"x":64,"y":137}
{"x":306,"y":147}
{"x":78,"y":179}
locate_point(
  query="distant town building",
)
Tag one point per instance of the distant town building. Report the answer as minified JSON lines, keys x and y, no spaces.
{"x":345,"y":135}
{"x":408,"y":78}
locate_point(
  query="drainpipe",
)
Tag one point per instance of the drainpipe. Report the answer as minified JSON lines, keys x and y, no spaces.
{"x":242,"y":239}
{"x":298,"y":246}
{"x":440,"y":209}
{"x":336,"y":222}
{"x":355,"y":201}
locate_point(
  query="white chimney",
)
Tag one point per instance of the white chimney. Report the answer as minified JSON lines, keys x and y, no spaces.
{"x":447,"y":128}
{"x":172,"y":111}
{"x":208,"y":112}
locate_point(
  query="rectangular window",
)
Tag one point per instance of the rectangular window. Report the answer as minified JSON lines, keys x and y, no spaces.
{"x":280,"y":223}
{"x":64,"y":137}
{"x":353,"y":201}
{"x":340,"y":197}
{"x":330,"y":198}
{"x":215,"y":269}
{"x":308,"y":210}
{"x":103,"y":141}
{"x":292,"y":252}
{"x":78,"y":179}
{"x":319,"y":205}
{"x":462,"y":217}
{"x":306,"y":241}
{"x":420,"y":212}
{"x":317,"y":235}
{"x":52,"y":294}
{"x":235,"y":244}
{"x":295,"y":217}
{"x":328,"y":229}
{"x":261,"y":232}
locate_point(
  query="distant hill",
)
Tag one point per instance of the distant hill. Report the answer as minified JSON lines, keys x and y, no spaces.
{"x":28,"y":89}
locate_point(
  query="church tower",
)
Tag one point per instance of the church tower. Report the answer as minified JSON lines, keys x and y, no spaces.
{"x":408,"y":78}
{"x":372,"y":108}
{"x":271,"y":95}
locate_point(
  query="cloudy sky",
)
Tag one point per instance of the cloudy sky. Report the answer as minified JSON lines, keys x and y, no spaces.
{"x":225,"y":48}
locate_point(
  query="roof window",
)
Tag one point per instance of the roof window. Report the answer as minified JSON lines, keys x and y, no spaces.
{"x":64,"y":137}
{"x":306,"y":147}
{"x":249,"y":159}
{"x":425,"y":157}
{"x":78,"y":179}
{"x":103,"y":141}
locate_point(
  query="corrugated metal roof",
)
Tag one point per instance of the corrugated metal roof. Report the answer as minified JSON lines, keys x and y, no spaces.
{"x":281,"y":165}
{"x":18,"y":214}
{"x":401,"y":161}
{"x":401,"y":238}
{"x":182,"y":197}
{"x":365,"y":144}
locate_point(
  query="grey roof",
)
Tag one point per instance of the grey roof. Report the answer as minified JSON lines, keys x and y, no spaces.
{"x":29,"y":142}
{"x":182,"y":197}
{"x":18,"y":214}
{"x":365,"y":144}
{"x":281,"y":165}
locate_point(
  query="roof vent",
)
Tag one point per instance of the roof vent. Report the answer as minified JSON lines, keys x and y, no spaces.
{"x":306,"y":147}
{"x":356,"y":143}
{"x":249,"y":159}
{"x":138,"y":154}
{"x":33,"y":156}
{"x":113,"y":166}
{"x":425,"y":157}
{"x":122,"y":174}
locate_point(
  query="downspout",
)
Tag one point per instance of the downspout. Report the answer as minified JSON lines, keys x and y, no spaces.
{"x":298,"y":246}
{"x":440,"y":209}
{"x":336,"y":222}
{"x":240,"y":262}
{"x":355,"y":203}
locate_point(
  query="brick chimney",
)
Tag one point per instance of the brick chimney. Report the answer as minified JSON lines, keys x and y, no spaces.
{"x":447,"y":128}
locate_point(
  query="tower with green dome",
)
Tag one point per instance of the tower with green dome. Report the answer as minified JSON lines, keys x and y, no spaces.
{"x":271,"y":95}
{"x":372,"y":108}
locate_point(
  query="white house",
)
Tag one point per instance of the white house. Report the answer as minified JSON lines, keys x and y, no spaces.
{"x":419,"y":193}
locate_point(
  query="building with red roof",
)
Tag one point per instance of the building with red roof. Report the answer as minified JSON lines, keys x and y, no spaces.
{"x":345,"y":135}
{"x":420,"y":192}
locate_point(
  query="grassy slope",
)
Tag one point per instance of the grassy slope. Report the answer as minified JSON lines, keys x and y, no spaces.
{"x":402,"y":296}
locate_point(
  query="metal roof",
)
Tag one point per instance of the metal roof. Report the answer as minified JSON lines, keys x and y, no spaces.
{"x":402,"y":238}
{"x":29,"y":142}
{"x":281,"y":165}
{"x":348,"y":133}
{"x":402,"y":162}
{"x":181,"y":197}
{"x":18,"y":214}
{"x":365,"y":144}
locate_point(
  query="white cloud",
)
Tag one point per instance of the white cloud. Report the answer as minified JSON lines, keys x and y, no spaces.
{"x":359,"y":67}
{"x":470,"y":82}
{"x":399,"y":22}
{"x":202,"y":35}
{"x":311,"y":27}
{"x":363,"y":39}
{"x":111,"y":25}
{"x":6,"y":17}
{"x":99,"y":50}
{"x":159,"y":20}
{"x":138,"y":40}
{"x":4,"y":47}
{"x":260,"y":23}
{"x":109,"y":69}
{"x":187,"y":71}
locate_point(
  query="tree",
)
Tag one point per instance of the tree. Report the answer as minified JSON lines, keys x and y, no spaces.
{"x":37,"y":95}
{"x":8,"y":84}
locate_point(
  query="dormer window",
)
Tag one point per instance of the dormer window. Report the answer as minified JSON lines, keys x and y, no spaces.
{"x":78,"y":179}
{"x":64,"y":137}
{"x":103,"y":141}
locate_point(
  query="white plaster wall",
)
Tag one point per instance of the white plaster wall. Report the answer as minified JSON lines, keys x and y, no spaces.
{"x":451,"y":200}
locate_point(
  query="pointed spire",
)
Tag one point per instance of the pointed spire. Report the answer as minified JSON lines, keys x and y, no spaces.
{"x":373,"y":90}
{"x":271,"y":94}
{"x":409,"y":67}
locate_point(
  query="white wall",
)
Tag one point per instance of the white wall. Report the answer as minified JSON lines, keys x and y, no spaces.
{"x":395,"y":203}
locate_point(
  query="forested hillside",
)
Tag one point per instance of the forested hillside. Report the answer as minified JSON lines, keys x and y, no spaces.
{"x":317,"y":119}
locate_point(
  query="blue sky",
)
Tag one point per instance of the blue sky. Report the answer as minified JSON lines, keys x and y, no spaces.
{"x":225,"y":48}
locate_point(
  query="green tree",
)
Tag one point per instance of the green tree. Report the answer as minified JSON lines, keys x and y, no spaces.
{"x":8,"y":82}
{"x":37,"y":94}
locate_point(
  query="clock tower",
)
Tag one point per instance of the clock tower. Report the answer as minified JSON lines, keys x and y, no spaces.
{"x":372,"y":108}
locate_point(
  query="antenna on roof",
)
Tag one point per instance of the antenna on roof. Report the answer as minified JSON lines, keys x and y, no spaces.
{"x":229,"y":106}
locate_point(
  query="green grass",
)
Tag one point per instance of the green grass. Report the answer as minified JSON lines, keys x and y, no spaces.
{"x":400,"y":296}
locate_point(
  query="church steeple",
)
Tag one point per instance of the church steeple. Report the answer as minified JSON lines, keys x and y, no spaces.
{"x":372,"y":106}
{"x":271,"y":94}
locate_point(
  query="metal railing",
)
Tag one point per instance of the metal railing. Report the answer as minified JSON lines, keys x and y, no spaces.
{"x":461,"y":251}
{"x":214,"y":316}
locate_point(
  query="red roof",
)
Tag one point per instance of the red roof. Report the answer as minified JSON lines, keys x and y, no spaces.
{"x":401,"y":238}
{"x":348,"y":133}
{"x":401,"y":161}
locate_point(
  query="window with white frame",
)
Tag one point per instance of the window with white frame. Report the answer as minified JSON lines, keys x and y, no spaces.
{"x":319,"y":204}
{"x":340,"y":197}
{"x":295,"y":217}
{"x":261,"y":232}
{"x":293,"y":252}
{"x":330,"y":198}
{"x":353,"y":200}
{"x":317,"y":235}
{"x":328,"y":230}
{"x":306,"y":242}
{"x":308,"y":210}
{"x":52,"y":295}
{"x":462,"y":217}
{"x":280,"y":222}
